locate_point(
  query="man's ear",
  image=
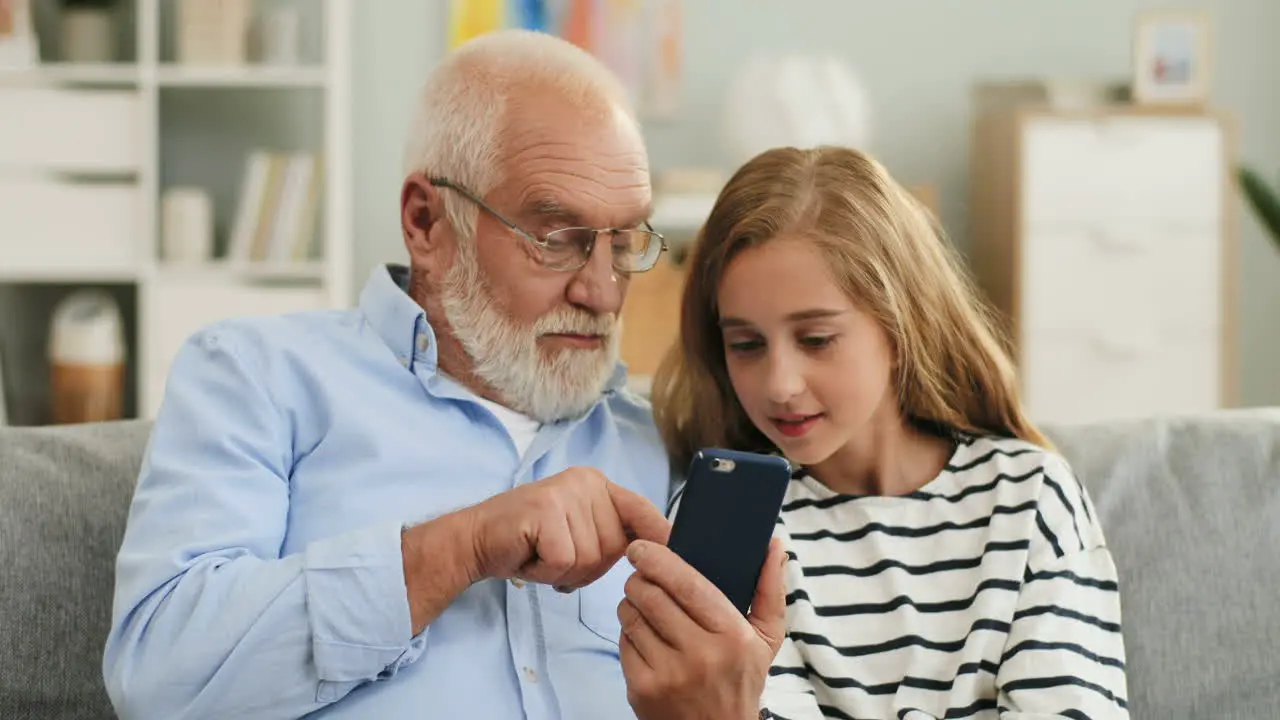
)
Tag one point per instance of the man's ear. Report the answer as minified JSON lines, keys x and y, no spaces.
{"x":421,"y":209}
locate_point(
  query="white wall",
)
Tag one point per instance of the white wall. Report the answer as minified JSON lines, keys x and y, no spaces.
{"x":396,"y":43}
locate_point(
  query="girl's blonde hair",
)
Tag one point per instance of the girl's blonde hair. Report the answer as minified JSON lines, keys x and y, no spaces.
{"x":952,"y":371}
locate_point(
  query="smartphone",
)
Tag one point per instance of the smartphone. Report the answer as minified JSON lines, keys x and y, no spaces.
{"x":725,"y":518}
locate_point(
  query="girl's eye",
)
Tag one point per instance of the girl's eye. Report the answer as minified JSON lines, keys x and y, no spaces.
{"x":817,"y":341}
{"x":745,"y":346}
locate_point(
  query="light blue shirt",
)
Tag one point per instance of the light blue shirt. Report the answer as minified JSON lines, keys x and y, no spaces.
{"x":261,"y":576}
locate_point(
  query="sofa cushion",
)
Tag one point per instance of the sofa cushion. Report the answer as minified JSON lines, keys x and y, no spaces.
{"x":64,"y":497}
{"x":1191,"y":511}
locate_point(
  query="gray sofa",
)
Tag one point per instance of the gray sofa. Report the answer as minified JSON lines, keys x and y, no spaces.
{"x":1191,"y":507}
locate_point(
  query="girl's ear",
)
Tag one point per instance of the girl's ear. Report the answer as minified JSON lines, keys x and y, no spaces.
{"x":421,"y":211}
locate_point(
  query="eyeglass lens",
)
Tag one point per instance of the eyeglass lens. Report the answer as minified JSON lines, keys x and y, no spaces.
{"x":632,"y":249}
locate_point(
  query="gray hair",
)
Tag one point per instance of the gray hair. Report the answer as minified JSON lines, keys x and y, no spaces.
{"x":459,"y":121}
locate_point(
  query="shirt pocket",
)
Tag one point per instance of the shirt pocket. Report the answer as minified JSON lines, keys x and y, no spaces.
{"x":598,"y":602}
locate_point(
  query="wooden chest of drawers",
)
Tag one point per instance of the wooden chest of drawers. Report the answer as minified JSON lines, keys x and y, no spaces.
{"x":1104,"y":239}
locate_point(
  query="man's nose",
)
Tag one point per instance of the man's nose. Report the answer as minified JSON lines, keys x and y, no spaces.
{"x":597,"y":286}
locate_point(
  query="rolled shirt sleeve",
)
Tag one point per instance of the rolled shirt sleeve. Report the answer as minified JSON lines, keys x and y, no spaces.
{"x":209,"y":620}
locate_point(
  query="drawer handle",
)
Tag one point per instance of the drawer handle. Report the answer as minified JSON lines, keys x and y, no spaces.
{"x":1121,"y":241}
{"x":1118,"y":348}
{"x":1120,"y":131}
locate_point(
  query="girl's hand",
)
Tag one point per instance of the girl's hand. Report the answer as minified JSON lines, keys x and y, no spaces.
{"x":686,"y":650}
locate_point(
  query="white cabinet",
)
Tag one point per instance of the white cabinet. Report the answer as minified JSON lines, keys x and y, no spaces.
{"x":90,"y":229}
{"x":1102,"y":238}
{"x":203,"y":300}
{"x":71,"y":130}
{"x":1156,"y":169}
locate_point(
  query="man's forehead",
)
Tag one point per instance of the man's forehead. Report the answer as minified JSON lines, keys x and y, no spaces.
{"x":579,"y":203}
{"x":580,"y":183}
{"x":595,"y":134}
{"x":574,"y":163}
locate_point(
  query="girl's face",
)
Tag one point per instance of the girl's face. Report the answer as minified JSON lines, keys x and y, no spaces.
{"x":812,"y":371}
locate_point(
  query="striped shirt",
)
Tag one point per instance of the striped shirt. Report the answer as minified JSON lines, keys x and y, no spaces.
{"x":988,"y":593}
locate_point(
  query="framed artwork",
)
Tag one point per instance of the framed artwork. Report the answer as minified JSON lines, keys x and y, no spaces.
{"x":1171,"y":58}
{"x":640,"y":40}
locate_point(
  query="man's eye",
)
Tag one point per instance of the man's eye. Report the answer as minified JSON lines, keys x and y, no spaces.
{"x":567,"y":239}
{"x":633,"y":242}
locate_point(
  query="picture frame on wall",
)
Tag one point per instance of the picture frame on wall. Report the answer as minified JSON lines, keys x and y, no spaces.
{"x":1172,"y":58}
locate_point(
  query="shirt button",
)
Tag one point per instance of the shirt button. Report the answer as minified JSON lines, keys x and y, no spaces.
{"x":423,"y":341}
{"x":404,"y":361}
{"x":530,"y":674}
{"x":518,"y":583}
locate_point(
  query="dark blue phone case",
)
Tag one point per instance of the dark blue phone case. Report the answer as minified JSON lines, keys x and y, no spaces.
{"x":726,"y":516}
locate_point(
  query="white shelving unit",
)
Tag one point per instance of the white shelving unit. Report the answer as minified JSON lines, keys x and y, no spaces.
{"x":87,"y":152}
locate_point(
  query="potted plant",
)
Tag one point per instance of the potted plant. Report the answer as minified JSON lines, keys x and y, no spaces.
{"x":1263,"y":199}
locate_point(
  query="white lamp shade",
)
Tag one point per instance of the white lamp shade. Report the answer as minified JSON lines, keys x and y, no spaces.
{"x":794,"y":100}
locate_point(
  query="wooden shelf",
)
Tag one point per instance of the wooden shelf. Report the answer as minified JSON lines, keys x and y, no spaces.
{"x":103,"y":74}
{"x":167,"y":75}
{"x":236,"y":273}
{"x":241,"y":76}
{"x":67,"y":274}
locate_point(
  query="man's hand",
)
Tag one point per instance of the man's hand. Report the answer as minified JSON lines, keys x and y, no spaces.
{"x":566,"y":530}
{"x":686,"y":650}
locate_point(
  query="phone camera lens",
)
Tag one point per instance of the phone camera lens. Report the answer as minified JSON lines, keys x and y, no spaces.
{"x":722,"y":465}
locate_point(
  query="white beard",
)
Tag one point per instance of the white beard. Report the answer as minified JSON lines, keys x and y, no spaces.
{"x":507,"y":357}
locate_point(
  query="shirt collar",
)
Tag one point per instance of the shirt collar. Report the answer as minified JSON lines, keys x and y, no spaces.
{"x":397,"y":318}
{"x":403,"y":326}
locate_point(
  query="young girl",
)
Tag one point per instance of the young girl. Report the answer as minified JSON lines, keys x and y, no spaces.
{"x":944,"y":562}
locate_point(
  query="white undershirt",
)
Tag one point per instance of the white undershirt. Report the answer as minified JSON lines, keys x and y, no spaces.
{"x":520,"y":427}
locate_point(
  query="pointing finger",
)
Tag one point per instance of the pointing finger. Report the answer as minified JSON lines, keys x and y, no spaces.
{"x":640,"y":518}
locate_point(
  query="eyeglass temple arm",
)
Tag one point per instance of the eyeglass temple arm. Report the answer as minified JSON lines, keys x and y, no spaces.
{"x":441,"y":182}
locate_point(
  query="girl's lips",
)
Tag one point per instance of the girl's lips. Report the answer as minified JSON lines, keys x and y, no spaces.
{"x":795,"y":426}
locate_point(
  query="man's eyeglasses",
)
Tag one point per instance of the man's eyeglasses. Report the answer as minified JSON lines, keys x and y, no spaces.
{"x":568,"y":249}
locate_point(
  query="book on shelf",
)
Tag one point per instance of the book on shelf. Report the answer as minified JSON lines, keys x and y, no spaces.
{"x":275,"y":222}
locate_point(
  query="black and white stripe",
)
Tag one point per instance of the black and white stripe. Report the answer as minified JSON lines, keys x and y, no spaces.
{"x":988,"y":593}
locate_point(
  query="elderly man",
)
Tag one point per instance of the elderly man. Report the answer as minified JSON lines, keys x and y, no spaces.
{"x":420,"y":507}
